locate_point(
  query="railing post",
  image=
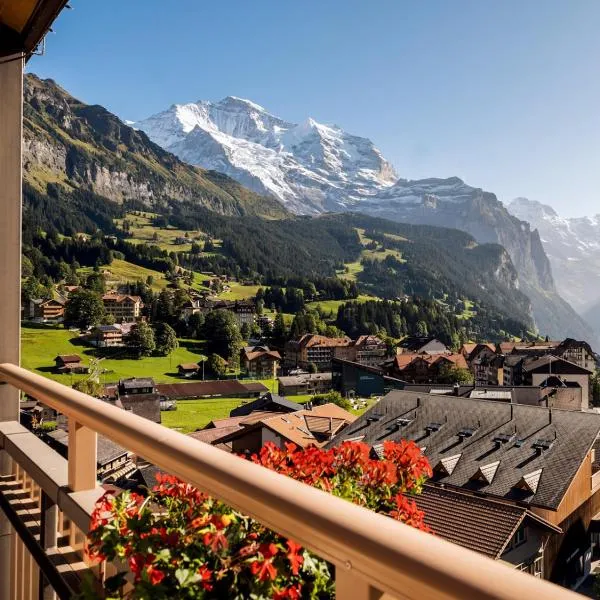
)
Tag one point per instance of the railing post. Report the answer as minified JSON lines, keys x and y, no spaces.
{"x":82,"y":457}
{"x":81,"y":469}
{"x":350,"y":587}
{"x":48,"y":539}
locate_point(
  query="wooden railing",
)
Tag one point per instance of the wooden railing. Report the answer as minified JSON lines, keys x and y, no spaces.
{"x":374,"y":555}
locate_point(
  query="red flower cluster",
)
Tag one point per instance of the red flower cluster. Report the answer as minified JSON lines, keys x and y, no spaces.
{"x":179,"y":542}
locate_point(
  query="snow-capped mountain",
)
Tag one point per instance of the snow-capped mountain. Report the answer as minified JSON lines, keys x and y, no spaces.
{"x":309,"y":167}
{"x":573,"y":247}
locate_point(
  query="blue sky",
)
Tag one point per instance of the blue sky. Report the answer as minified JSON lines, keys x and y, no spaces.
{"x":504,"y":94}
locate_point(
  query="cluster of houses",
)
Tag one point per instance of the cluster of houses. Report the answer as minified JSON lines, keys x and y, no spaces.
{"x":515,"y":469}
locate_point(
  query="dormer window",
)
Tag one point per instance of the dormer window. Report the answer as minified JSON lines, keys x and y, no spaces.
{"x":486,"y":473}
{"x":447,"y":465}
{"x":529,"y":482}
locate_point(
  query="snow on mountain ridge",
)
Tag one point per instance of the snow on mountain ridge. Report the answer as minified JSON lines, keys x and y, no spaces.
{"x":310,"y":167}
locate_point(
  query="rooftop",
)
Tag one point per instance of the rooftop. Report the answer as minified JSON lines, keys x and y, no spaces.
{"x":474,"y":522}
{"x":572,"y":434}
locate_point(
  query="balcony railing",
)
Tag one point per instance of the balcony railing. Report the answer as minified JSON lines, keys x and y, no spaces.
{"x":375,"y":556}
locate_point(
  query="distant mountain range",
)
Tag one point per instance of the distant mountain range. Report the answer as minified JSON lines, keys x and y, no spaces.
{"x":313,"y":168}
{"x":573,"y":247}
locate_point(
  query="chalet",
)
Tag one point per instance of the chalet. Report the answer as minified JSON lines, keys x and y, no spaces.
{"x":106,"y":336}
{"x":315,"y":349}
{"x":218,"y":429}
{"x":424,"y":367}
{"x":537,"y":371}
{"x":366,"y":350}
{"x":139,"y":396}
{"x":307,"y":427}
{"x":422,"y":345}
{"x":578,"y":352}
{"x":192,"y":307}
{"x":520,"y":457}
{"x":487,"y":366}
{"x":44,"y":311}
{"x":307,"y":383}
{"x":188,"y":369}
{"x":123,"y":307}
{"x":467,"y":349}
{"x":69,"y":363}
{"x":260,"y":362}
{"x":180,"y":241}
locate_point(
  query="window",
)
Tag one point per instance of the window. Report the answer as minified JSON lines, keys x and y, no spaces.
{"x":519,"y":538}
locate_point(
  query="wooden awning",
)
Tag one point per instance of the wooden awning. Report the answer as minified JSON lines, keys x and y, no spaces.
{"x":23,"y":23}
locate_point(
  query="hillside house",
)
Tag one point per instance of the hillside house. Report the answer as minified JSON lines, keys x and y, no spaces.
{"x":424,"y":367}
{"x":307,"y":427}
{"x":123,"y":307}
{"x":69,"y":363}
{"x":106,"y":336}
{"x":315,"y":349}
{"x":305,"y":383}
{"x":45,"y":311}
{"x":366,"y":349}
{"x":422,"y":345}
{"x":188,"y":370}
{"x":259,"y":362}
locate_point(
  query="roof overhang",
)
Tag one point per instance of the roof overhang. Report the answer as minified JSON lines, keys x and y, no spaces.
{"x":24,"y":23}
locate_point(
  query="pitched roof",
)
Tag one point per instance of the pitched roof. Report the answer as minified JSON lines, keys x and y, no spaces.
{"x":188,"y":366}
{"x":269,"y":402}
{"x":309,"y":340}
{"x":68,"y":358}
{"x":304,"y":378}
{"x":294,"y":427}
{"x":480,"y":524}
{"x":199,"y":389}
{"x":255,"y":354}
{"x":402,"y":361}
{"x":136,"y":382}
{"x":553,"y":365}
{"x":367,"y":340}
{"x":573,"y":434}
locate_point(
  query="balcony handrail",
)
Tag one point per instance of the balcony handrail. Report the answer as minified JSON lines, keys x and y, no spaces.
{"x":391,"y":557}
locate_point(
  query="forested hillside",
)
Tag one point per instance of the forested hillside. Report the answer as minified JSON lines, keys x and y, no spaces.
{"x":86,"y":171}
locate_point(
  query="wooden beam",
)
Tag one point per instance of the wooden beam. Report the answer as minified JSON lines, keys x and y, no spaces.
{"x":11,"y":122}
{"x":40,"y":21}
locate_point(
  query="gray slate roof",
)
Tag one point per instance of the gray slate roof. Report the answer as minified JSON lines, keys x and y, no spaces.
{"x":570,"y":434}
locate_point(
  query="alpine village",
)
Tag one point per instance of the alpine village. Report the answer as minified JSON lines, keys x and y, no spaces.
{"x":207,"y":392}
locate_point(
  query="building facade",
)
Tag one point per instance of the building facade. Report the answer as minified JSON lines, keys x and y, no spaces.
{"x":123,"y":308}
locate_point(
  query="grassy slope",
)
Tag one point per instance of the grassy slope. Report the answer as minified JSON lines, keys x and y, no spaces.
{"x":123,"y":271}
{"x":40,"y":345}
{"x":354,"y":268}
{"x":240,"y":292}
{"x":196,"y":414}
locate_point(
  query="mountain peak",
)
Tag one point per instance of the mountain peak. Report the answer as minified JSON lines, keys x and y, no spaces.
{"x":310,"y":167}
{"x":237,"y":102}
{"x":529,"y":207}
